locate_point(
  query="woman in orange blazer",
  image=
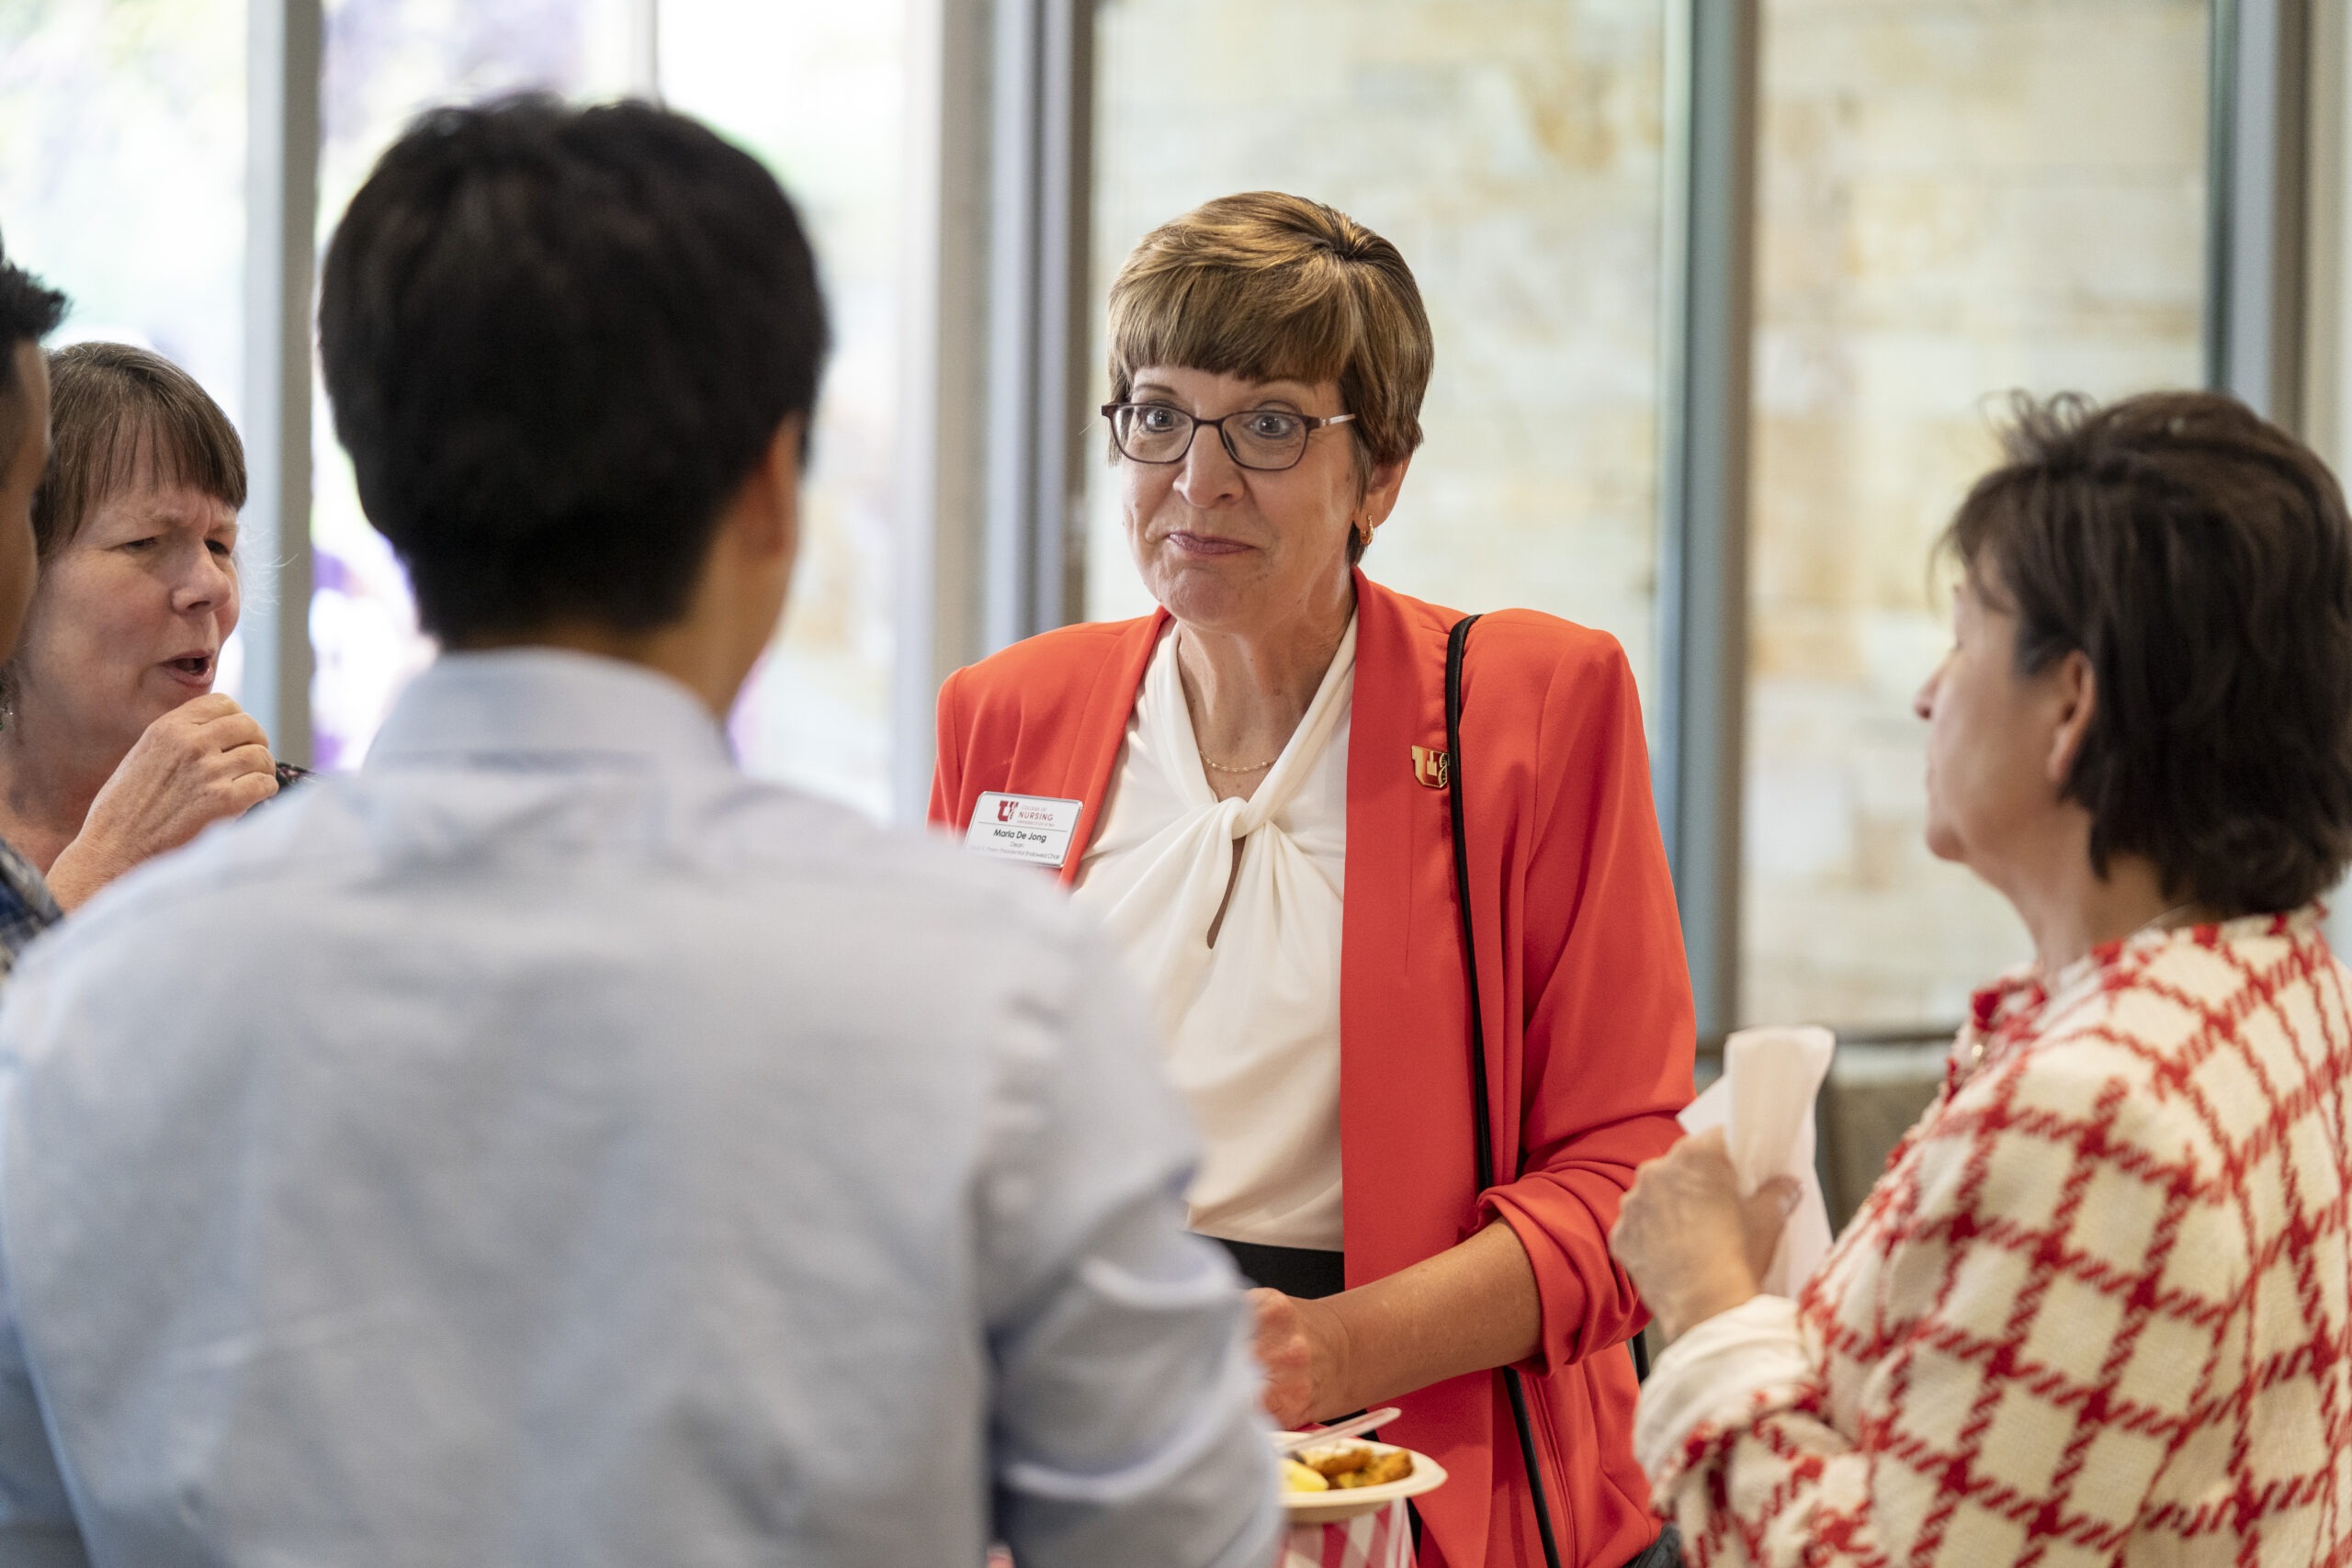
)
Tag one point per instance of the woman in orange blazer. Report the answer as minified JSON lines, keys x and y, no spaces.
{"x":1269,"y":357}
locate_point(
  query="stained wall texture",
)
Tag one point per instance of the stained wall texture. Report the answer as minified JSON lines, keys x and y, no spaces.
{"x":1957,"y":197}
{"x":1511,"y":150}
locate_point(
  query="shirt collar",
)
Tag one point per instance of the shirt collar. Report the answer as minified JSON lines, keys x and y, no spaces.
{"x":2018,"y":1000}
{"x":525,"y":704}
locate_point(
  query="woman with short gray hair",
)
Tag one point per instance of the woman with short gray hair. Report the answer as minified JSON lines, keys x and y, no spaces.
{"x":1271,"y":791}
{"x":116,"y":745}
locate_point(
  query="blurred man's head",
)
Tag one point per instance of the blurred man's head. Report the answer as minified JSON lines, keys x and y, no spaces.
{"x":29,"y":312}
{"x":573,"y":354}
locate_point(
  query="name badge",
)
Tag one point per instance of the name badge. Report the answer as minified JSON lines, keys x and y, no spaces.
{"x":1032,"y":827}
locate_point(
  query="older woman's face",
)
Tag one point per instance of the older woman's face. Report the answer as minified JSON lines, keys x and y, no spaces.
{"x":1229,"y":548}
{"x":129,"y":617}
{"x":2000,"y":743}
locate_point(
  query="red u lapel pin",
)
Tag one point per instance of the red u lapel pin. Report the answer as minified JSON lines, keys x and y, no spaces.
{"x":1432,"y":767}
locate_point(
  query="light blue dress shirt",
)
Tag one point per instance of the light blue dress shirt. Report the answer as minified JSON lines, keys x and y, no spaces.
{"x":549,"y":1147}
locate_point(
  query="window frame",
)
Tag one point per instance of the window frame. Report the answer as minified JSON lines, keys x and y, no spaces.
{"x":994,"y":379}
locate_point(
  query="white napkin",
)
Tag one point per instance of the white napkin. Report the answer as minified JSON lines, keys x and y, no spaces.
{"x":1764,"y":1104}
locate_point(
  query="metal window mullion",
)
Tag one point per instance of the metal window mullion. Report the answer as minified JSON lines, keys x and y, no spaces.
{"x":2256,"y":199}
{"x":1041,"y":117}
{"x":284,"y":40}
{"x":943,"y":376}
{"x":1013,"y":180}
{"x":1064,"y":236}
{"x":643,"y":20}
{"x":2266,"y":231}
{"x":1713,"y":54}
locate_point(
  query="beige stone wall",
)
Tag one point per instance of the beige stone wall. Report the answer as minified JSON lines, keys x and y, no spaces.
{"x":1511,"y":150}
{"x":1957,"y":197}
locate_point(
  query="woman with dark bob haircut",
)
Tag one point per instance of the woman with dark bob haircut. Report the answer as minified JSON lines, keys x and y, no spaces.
{"x":2095,"y":1311}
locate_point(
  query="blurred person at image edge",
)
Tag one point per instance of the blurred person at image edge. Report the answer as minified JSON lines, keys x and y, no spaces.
{"x":2095,"y":1312}
{"x":1250,"y":788}
{"x":548,"y":1144}
{"x":29,"y":312}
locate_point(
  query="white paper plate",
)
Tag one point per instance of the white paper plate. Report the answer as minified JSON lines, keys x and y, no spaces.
{"x":1330,"y":1507}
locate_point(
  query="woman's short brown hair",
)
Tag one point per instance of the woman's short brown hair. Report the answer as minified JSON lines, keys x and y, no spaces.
{"x":121,"y":417}
{"x":2200,"y":558}
{"x":1275,"y":288}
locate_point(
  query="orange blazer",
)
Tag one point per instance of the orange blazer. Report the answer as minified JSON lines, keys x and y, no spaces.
{"x":1581,"y":975}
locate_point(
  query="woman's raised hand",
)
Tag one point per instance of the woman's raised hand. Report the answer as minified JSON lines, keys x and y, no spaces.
{"x":1693,"y":1245}
{"x":205,"y":759}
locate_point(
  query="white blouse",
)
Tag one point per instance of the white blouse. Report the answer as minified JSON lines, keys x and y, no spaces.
{"x":1251,"y":1025}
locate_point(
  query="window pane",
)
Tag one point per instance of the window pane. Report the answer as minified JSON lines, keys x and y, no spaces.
{"x":122,"y":179}
{"x":385,"y":59}
{"x":818,"y":90}
{"x":1511,"y":150}
{"x":1955,"y":199}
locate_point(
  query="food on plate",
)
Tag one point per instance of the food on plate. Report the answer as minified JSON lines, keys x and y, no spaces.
{"x":1394,"y":1465}
{"x":1296,"y":1477}
{"x":1336,"y":1459}
{"x":1344,"y":1466}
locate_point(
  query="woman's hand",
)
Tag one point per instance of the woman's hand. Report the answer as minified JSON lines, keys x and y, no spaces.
{"x":205,"y":759}
{"x":1470,"y":1307}
{"x":1302,"y":1345}
{"x":1692,"y":1244}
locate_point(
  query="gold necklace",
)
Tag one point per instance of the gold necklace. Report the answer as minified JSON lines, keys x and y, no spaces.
{"x":1216,"y":767}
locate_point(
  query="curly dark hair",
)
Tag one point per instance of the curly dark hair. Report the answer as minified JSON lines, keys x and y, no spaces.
{"x":2201,"y":558}
{"x":556,"y":341}
{"x":29,"y":312}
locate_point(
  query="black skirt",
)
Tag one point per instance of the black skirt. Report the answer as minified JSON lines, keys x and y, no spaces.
{"x":1305,"y":1272}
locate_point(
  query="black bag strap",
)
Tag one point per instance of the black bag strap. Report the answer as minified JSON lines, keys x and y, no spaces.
{"x":1457,"y":645}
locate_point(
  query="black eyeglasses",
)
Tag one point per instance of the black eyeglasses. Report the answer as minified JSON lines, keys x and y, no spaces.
{"x":1264,"y":440}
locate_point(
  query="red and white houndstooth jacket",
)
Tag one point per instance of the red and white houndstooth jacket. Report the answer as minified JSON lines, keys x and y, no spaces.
{"x":2095,"y":1311}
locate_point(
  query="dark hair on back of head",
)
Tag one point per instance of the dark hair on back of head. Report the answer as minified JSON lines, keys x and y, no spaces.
{"x":2201,"y":558}
{"x":556,"y":341}
{"x":29,"y":312}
